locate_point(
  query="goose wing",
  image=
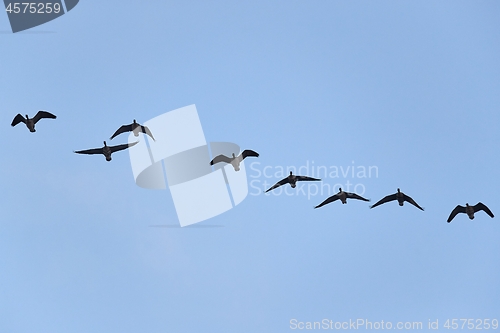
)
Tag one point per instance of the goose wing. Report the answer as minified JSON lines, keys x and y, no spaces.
{"x":458,"y":209}
{"x":327,"y":201}
{"x":18,"y":119}
{"x":43,"y":114}
{"x":388,"y":198}
{"x":146,"y":130}
{"x":122,"y":147}
{"x":122,"y":129}
{"x":248,"y":152}
{"x":90,"y":151}
{"x":220,"y":158}
{"x":278,"y":184}
{"x":305,"y":178}
{"x":481,"y":206}
{"x":355,"y":196}
{"x":413,"y":202}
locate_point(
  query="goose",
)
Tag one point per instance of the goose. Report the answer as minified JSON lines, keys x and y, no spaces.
{"x":235,"y":160}
{"x":400,"y":197}
{"x":135,"y":128}
{"x":470,"y":210}
{"x":30,"y":122}
{"x":343,"y":196}
{"x":106,"y":150}
{"x":292,"y":180}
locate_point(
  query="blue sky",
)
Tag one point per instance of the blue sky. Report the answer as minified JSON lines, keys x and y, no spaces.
{"x":412,"y":88}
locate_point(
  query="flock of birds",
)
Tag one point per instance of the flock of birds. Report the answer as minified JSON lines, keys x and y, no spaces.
{"x":105,"y":150}
{"x":235,"y":161}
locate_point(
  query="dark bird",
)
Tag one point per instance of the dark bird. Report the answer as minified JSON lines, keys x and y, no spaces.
{"x":106,"y":150}
{"x":134,"y":127}
{"x":292,"y":180}
{"x":30,"y":122}
{"x":470,"y":210}
{"x":400,"y":197}
{"x":235,"y":160}
{"x":343,"y":196}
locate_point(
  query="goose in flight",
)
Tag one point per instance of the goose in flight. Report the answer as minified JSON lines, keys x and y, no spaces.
{"x":470,"y":210}
{"x":30,"y":122}
{"x":235,"y":160}
{"x":106,"y":150}
{"x":292,"y":180}
{"x":343,"y":196}
{"x":134,"y":127}
{"x":400,"y":197}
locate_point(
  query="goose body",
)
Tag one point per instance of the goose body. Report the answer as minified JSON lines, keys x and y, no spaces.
{"x":292,"y":180}
{"x":400,"y":197}
{"x":106,"y":150}
{"x":30,"y":122}
{"x":342,"y":196}
{"x":234,"y":160}
{"x":470,"y":210}
{"x":135,"y":128}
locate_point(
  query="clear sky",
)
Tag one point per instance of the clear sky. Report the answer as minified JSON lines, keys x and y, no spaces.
{"x":411,"y":88}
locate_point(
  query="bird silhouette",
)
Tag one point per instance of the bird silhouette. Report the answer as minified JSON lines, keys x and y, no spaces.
{"x":106,"y":150}
{"x":292,"y":180}
{"x":135,"y":128}
{"x":470,"y":210}
{"x":343,"y":196}
{"x":235,"y":160}
{"x":30,"y":122}
{"x":400,"y":197}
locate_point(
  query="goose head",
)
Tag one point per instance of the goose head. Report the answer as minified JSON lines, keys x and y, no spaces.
{"x":105,"y":145}
{"x":27,"y":117}
{"x":234,"y":156}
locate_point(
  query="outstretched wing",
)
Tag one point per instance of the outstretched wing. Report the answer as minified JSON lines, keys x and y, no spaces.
{"x":18,"y":119}
{"x":413,"y":202}
{"x":327,"y":201}
{"x":90,"y":151}
{"x":355,"y":196}
{"x":481,"y":206}
{"x":220,"y":158}
{"x":146,"y":130}
{"x":384,"y":200}
{"x":248,"y":152}
{"x":122,"y":147}
{"x":278,"y":184}
{"x":43,"y":114}
{"x":122,"y":129}
{"x":305,"y":178}
{"x":458,"y":209}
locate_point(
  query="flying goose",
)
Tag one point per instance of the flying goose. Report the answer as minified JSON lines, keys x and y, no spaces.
{"x":470,"y":210}
{"x":292,"y":180}
{"x":30,"y":122}
{"x":106,"y":150}
{"x":134,"y":127}
{"x":343,"y":196}
{"x":400,"y":197}
{"x":235,"y":160}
